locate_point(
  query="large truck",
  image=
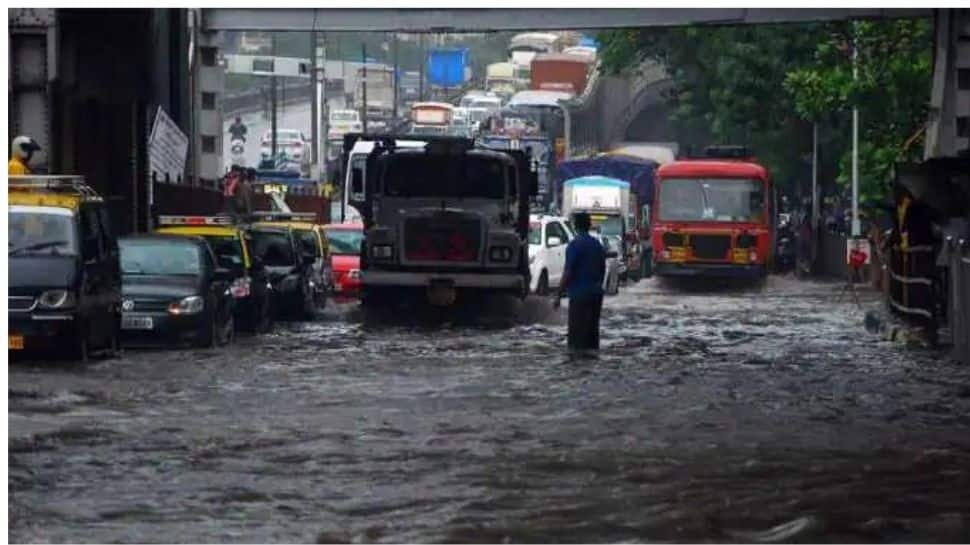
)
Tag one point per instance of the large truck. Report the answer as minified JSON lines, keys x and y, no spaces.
{"x":379,"y":108}
{"x":612,"y":210}
{"x":500,"y":79}
{"x":559,"y":72}
{"x":446,"y":222}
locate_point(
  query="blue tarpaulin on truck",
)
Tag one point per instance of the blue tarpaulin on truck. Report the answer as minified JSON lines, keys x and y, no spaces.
{"x":638,"y":172}
{"x":446,"y":67}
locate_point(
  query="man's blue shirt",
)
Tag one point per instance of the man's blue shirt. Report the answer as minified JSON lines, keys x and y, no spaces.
{"x":585,"y":265}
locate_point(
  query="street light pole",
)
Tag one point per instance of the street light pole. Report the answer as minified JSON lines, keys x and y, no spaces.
{"x":363,"y":81}
{"x":856,"y":226}
{"x":272,"y":82}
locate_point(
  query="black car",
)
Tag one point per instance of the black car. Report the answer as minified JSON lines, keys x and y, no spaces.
{"x":64,"y":287}
{"x":288,"y":268}
{"x":174,"y":290}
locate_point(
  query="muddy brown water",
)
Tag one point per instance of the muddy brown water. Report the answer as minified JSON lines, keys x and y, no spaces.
{"x":736,"y":415}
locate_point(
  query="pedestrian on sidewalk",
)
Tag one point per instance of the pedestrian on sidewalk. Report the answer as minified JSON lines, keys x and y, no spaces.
{"x":582,"y":280}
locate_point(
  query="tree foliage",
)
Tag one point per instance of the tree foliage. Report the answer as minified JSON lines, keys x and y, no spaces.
{"x":765,"y":85}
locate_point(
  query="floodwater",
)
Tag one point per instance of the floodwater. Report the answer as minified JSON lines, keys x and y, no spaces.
{"x":707,"y":416}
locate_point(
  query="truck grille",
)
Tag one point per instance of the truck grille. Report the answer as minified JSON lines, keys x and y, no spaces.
{"x":20,"y":303}
{"x":710,"y":246}
{"x":442,"y":238}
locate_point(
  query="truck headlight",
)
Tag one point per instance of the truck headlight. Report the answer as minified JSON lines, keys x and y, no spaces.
{"x":189,"y":305}
{"x":354,"y":274}
{"x":500,"y":253}
{"x":56,"y":299}
{"x":382,"y":251}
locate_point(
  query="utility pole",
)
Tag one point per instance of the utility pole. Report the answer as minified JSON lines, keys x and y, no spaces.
{"x":272,"y":82}
{"x":421,"y":67}
{"x":856,"y":226}
{"x":363,"y":81}
{"x":321,"y":96}
{"x":314,"y":104}
{"x":814,"y":176}
{"x":396,"y":76}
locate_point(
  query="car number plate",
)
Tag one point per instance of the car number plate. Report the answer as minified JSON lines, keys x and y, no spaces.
{"x":16,"y":342}
{"x":136,"y":322}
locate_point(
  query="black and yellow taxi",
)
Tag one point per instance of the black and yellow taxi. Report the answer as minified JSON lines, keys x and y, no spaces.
{"x":64,"y":287}
{"x":311,"y":239}
{"x":231,"y":242}
{"x":293,"y":257}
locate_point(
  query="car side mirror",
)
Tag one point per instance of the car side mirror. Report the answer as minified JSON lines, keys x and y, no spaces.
{"x":552,"y":242}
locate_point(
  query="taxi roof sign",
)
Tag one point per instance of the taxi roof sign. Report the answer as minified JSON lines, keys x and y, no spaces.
{"x":195,"y":220}
{"x":72,"y":185}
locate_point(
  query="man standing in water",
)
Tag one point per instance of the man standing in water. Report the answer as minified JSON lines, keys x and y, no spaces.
{"x":583,"y":280}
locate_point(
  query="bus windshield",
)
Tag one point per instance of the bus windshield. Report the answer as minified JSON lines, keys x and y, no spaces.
{"x":712,"y":199}
{"x":426,"y":175}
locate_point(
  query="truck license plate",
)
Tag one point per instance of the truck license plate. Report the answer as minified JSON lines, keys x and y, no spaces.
{"x":136,"y":322}
{"x":16,"y":342}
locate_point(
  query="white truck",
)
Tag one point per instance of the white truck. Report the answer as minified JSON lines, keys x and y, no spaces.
{"x":607,"y":201}
{"x":447,"y":221}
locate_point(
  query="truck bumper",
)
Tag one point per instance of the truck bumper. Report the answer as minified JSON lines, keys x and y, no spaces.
{"x":708,"y":270}
{"x":458,"y":280}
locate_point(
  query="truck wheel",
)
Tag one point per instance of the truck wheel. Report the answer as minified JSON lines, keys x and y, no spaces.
{"x":542,"y":287}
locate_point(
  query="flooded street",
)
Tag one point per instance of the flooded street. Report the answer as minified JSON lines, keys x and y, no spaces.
{"x":726,"y":416}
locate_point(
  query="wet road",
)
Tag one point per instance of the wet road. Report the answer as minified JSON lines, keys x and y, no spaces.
{"x":742,"y":416}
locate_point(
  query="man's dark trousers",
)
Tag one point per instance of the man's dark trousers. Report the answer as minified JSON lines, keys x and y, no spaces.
{"x":584,"y":322}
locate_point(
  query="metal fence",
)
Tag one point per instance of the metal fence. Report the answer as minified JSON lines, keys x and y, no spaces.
{"x":957,"y":256}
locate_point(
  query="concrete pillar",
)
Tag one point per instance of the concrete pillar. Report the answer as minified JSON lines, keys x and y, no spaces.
{"x":948,"y":131}
{"x":207,"y":87}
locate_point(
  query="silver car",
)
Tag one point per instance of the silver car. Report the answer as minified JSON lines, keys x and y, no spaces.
{"x":611,"y":281}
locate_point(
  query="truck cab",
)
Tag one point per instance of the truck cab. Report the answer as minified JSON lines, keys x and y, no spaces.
{"x":445,"y":220}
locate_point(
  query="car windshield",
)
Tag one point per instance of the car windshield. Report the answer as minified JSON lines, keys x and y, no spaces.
{"x":345,"y":241}
{"x":41,"y":232}
{"x":273,"y":247}
{"x":159,"y":257}
{"x":433,"y":175}
{"x":535,"y":233}
{"x":712,"y":199}
{"x":226,"y":248}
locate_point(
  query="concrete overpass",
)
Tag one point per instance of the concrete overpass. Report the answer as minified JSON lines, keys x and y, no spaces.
{"x":422,"y":20}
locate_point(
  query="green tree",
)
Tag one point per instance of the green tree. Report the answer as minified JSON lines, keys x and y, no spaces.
{"x":894,"y":64}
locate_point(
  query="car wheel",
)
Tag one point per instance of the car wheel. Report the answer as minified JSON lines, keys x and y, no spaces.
{"x":226,"y":332}
{"x":207,"y":335}
{"x":114,"y":341}
{"x":542,"y":287}
{"x":80,"y":349}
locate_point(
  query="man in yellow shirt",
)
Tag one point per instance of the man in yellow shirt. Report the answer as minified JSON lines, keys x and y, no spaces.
{"x":23,"y":148}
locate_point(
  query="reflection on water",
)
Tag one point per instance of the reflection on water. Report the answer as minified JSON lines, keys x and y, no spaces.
{"x":728,"y":416}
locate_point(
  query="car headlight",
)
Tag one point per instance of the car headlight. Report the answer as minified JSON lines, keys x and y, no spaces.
{"x":189,"y":305}
{"x":56,"y":299}
{"x":382,"y":251}
{"x":500,"y":253}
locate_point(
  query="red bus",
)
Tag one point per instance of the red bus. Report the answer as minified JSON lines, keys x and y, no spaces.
{"x":713,"y":216}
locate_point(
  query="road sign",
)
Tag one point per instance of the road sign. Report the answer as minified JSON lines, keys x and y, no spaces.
{"x":168,"y":147}
{"x":855,"y":249}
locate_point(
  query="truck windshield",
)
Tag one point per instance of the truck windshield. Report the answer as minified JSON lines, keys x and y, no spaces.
{"x":610,"y":226}
{"x":712,"y":199}
{"x":461,"y":176}
{"x":39,"y":232}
